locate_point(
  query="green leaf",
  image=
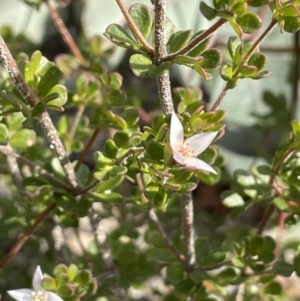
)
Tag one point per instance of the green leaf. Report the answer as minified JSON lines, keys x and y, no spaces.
{"x":109,"y":184}
{"x":160,"y":199}
{"x":49,"y":283}
{"x":212,"y":59}
{"x":273,"y":288}
{"x":290,"y":11}
{"x":118,"y":35}
{"x":283,"y":268}
{"x":258,"y":60}
{"x":227,"y":276}
{"x":155,"y":150}
{"x":110,"y":149}
{"x":141,"y":15}
{"x":291,"y":24}
{"x":141,"y":65}
{"x":233,"y":44}
{"x":232,"y":199}
{"x":208,"y":12}
{"x":38,"y":109}
{"x":179,"y":40}
{"x":23,"y":138}
{"x":3,"y":134}
{"x":151,"y":190}
{"x":297,"y":262}
{"x":202,"y":247}
{"x":59,"y":101}
{"x":248,"y":70}
{"x":66,"y":291}
{"x":249,"y":22}
{"x":121,"y":138}
{"x":175,"y":273}
{"x":169,"y":29}
{"x":205,"y":75}
{"x":213,"y":258}
{"x":257,"y":3}
{"x":226,"y":72}
{"x":49,"y":79}
{"x":83,"y":278}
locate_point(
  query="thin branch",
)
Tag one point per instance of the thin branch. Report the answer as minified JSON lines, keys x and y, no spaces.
{"x":188,"y":229}
{"x":243,"y":61}
{"x":76,"y":120}
{"x":10,"y":153}
{"x":44,"y":119}
{"x":101,"y":241}
{"x":12,"y":166}
{"x":254,"y":46}
{"x":163,"y":81}
{"x":196,"y":41}
{"x":134,"y":28}
{"x":295,"y":84}
{"x":164,"y":236}
{"x":272,"y":183}
{"x":59,"y":23}
{"x":26,"y":235}
{"x":219,"y":100}
{"x":87,"y":148}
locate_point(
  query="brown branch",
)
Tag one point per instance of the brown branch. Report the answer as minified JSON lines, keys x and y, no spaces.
{"x":59,"y":23}
{"x":44,"y":119}
{"x":196,"y":41}
{"x":26,"y":235}
{"x":164,"y":236}
{"x":134,"y":28}
{"x":219,"y":100}
{"x":10,"y":153}
{"x":87,"y":148}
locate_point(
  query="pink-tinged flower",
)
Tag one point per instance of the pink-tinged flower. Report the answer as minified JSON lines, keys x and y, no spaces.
{"x":185,"y":152}
{"x":37,"y":294}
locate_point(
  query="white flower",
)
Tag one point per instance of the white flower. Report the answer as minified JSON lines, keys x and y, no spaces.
{"x":37,"y":294}
{"x":185,"y":152}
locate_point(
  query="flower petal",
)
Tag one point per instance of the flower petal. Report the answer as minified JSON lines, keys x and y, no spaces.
{"x":37,"y":280}
{"x":176,"y":132}
{"x":49,"y":296}
{"x":23,"y":294}
{"x":178,"y":157}
{"x":196,"y":163}
{"x":200,"y":142}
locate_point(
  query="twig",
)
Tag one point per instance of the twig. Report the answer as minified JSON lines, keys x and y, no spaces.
{"x":163,"y":81}
{"x":164,"y":236}
{"x":59,"y":23}
{"x":243,"y":61}
{"x":12,"y":166}
{"x":26,"y":235}
{"x":87,"y":148}
{"x":219,"y":100}
{"x":240,"y":292}
{"x":295,"y":85}
{"x":76,"y":120}
{"x":254,"y":46}
{"x":101,"y":241}
{"x":196,"y":41}
{"x":268,"y":213}
{"x":188,"y":229}
{"x":44,"y":119}
{"x":134,"y":28}
{"x":10,"y":153}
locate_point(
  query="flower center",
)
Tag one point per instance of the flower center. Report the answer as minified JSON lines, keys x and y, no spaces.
{"x":38,"y":296}
{"x":186,"y":151}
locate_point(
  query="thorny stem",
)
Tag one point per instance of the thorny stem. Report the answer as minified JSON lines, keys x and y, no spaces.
{"x":268,"y":213}
{"x":163,"y":81}
{"x":59,"y":23}
{"x":26,"y":235}
{"x":188,"y":229}
{"x":44,"y":119}
{"x":87,"y":148}
{"x":295,"y":85}
{"x":196,"y":41}
{"x":243,"y":61}
{"x":164,"y":236}
{"x":10,"y":153}
{"x":134,"y":28}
